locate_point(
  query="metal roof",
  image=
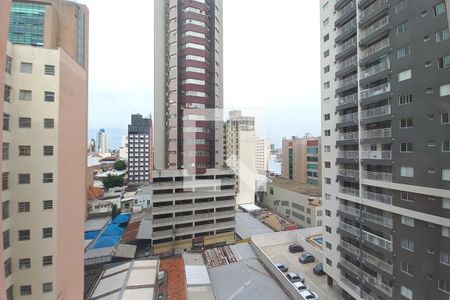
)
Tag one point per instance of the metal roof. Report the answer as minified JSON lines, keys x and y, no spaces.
{"x":247,"y":225}
{"x":96,"y":224}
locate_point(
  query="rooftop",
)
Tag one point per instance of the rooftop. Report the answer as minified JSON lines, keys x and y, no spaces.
{"x":176,"y":278}
{"x":247,"y":225}
{"x":297,"y":187}
{"x":197,"y":278}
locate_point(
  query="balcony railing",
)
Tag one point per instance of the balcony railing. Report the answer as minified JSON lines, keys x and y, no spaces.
{"x":349,"y":173}
{"x":376,"y":112}
{"x":349,"y":247}
{"x":346,"y":9}
{"x":386,"y":199}
{"x":353,"y":98}
{"x":348,"y":136}
{"x":376,"y":155}
{"x":375,"y":48}
{"x":349,"y":228}
{"x":350,"y":284}
{"x":376,"y":133}
{"x":350,"y":210}
{"x":377,"y":219}
{"x":377,"y":262}
{"x":374,"y":27}
{"x":349,"y":191}
{"x":348,"y":26}
{"x":348,"y":154}
{"x":378,"y":284}
{"x":346,"y":63}
{"x":349,"y":80}
{"x":366,"y":296}
{"x":382,"y":66}
{"x":377,"y":90}
{"x":350,"y":266}
{"x":381,"y":176}
{"x":346,"y":45}
{"x":376,"y":240}
{"x":372,"y":8}
{"x":349,"y":117}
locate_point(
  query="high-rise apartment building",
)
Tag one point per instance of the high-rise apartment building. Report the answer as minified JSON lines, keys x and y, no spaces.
{"x":140,"y":150}
{"x":239,"y":154}
{"x":102,"y":141}
{"x":262,"y":155}
{"x":43,"y":81}
{"x":386,"y":154}
{"x":300,"y":160}
{"x":193,"y":197}
{"x":188,"y":84}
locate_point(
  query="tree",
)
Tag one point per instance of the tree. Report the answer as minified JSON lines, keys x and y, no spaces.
{"x":112,"y":181}
{"x":120,"y":165}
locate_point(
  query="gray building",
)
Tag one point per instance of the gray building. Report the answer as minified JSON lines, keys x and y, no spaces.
{"x":385,"y":147}
{"x":140,"y":160}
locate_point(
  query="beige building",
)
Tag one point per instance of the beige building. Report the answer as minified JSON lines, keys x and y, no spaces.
{"x":300,"y":160}
{"x":44,"y":153}
{"x":262,"y":155}
{"x":300,"y":203}
{"x":239,"y":154}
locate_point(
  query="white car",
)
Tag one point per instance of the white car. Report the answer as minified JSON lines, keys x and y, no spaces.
{"x":295,"y":277}
{"x":308,"y":295}
{"x":300,"y":286}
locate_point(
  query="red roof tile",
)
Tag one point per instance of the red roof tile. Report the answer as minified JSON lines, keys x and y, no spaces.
{"x":176,"y":277}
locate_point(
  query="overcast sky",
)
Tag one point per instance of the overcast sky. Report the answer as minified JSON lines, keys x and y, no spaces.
{"x":271,"y":64}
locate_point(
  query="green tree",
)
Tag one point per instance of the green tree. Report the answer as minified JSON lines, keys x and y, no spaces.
{"x":112,"y":181}
{"x":120,"y":165}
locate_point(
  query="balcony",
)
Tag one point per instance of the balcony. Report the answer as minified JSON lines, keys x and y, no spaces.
{"x":376,"y":112}
{"x":376,"y":69}
{"x":348,"y":173}
{"x":375,"y":48}
{"x":345,"y":31}
{"x":349,"y":191}
{"x":377,"y":284}
{"x":194,"y":218}
{"x":374,"y":27}
{"x":355,"y":270}
{"x":346,"y":63}
{"x":372,"y":9}
{"x":377,"y":219}
{"x":347,"y":81}
{"x":350,"y":210}
{"x":376,"y":240}
{"x":353,"y":117}
{"x":366,"y":296}
{"x":348,"y":154}
{"x":350,"y":229}
{"x":353,"y":99}
{"x":377,"y":262}
{"x":380,"y":176}
{"x":350,"y":284}
{"x":386,"y":199}
{"x":347,"y":45}
{"x":348,"y":136}
{"x":377,"y":90}
{"x":376,"y":134}
{"x":345,"y":13}
{"x":350,"y":248}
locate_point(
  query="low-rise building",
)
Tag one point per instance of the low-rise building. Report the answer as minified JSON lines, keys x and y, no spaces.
{"x":300,"y":203}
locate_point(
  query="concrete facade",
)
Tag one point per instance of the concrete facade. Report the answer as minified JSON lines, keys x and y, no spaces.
{"x":44,"y":157}
{"x":140,"y":146}
{"x":262,"y":155}
{"x":385,"y":130}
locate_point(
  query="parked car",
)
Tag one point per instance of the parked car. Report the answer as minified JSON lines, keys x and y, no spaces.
{"x":147,"y":251}
{"x":295,"y":277}
{"x":306,"y":258}
{"x":308,"y":295}
{"x":300,"y":286}
{"x":294,"y":248}
{"x":281,"y":267}
{"x":318,"y":269}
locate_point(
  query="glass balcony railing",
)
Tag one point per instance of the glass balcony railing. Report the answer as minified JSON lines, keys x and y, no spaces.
{"x":349,"y":7}
{"x":382,"y":66}
{"x":350,"y":284}
{"x":348,"y":136}
{"x":348,"y":117}
{"x":348,"y":154}
{"x":380,"y":176}
{"x":347,"y":27}
{"x":355,"y":270}
{"x":377,"y":284}
{"x":376,"y":133}
{"x":376,"y":240}
{"x":349,"y":191}
{"x":348,"y":44}
{"x":377,"y":219}
{"x":349,"y":173}
{"x":377,"y":262}
{"x":372,"y":8}
{"x":376,"y":112}
{"x":386,"y":199}
{"x":375,"y":48}
{"x":350,"y":210}
{"x":349,"y":228}
{"x":366,"y":296}
{"x":349,"y":247}
{"x":353,"y":98}
{"x":349,"y":80}
{"x":377,"y":90}
{"x":374,"y":27}
{"x":376,"y":155}
{"x":346,"y":63}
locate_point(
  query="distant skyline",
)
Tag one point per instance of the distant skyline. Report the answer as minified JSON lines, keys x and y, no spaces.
{"x":270,"y":70}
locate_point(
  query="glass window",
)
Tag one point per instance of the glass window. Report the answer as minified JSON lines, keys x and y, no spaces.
{"x":401,"y":5}
{"x":47,"y":177}
{"x":407,"y":245}
{"x":24,"y":178}
{"x":407,"y":171}
{"x":404,"y":75}
{"x":24,"y":263}
{"x":25,"y":67}
{"x":444,"y":62}
{"x":47,"y":287}
{"x":444,"y":90}
{"x":8,"y":267}
{"x":5,"y":210}
{"x":24,"y":150}
{"x":402,"y":28}
{"x":25,"y":290}
{"x":446,"y":146}
{"x":439,"y":8}
{"x":407,"y":293}
{"x":49,"y":96}
{"x":27,"y":24}
{"x":24,"y":122}
{"x":24,"y":235}
{"x":47,"y":232}
{"x":25,"y":95}
{"x":406,"y":147}
{"x":404,"y":51}
{"x":442,"y":35}
{"x":47,"y":204}
{"x":8,"y":65}
{"x":24,"y":207}
{"x":407,"y":221}
{"x":49,"y":123}
{"x":7,"y":93}
{"x":5,"y":181}
{"x":5,"y":151}
{"x":406,"y":123}
{"x":49,"y":70}
{"x":47,"y":260}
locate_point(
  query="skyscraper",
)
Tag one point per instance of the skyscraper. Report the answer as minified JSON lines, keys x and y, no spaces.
{"x":44,"y":88}
{"x":102,"y":141}
{"x":188,"y":84}
{"x":193,"y":197}
{"x":140,"y":145}
{"x":385,"y":121}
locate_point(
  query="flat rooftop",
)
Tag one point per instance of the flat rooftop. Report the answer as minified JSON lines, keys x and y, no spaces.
{"x":295,"y":186}
{"x":247,"y":225}
{"x":198,"y":283}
